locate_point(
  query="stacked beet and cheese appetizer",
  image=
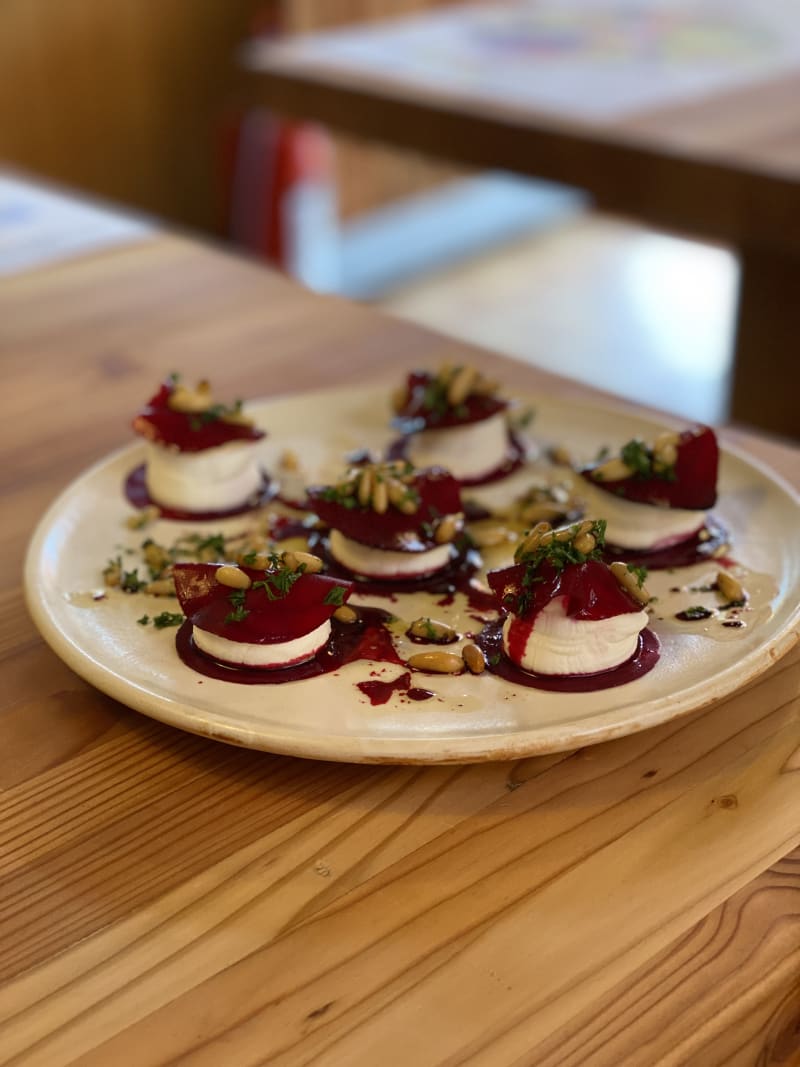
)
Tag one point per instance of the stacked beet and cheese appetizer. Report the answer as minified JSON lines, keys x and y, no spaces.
{"x":391,"y":522}
{"x":455,"y":419}
{"x":568,"y":612}
{"x":271,"y":616}
{"x":657,"y":496}
{"x":202,"y":456}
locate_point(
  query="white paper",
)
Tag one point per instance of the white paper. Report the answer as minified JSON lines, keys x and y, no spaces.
{"x":39,"y":226}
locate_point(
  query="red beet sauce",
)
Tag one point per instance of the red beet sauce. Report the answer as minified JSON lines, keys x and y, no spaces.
{"x":490,"y":641}
{"x":381,"y":692}
{"x":367,"y":639}
{"x":137,"y":495}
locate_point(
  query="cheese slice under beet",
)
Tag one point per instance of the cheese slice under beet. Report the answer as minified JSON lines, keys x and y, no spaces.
{"x":694,"y":485}
{"x":439,"y":495}
{"x":187,"y":432}
{"x":206,"y":603}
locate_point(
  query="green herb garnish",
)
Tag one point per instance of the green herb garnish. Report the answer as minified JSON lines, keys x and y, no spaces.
{"x":144,"y":620}
{"x":335,"y":596}
{"x":167,"y":618}
{"x":130,"y":582}
{"x":635,"y":455}
{"x":640,"y":572}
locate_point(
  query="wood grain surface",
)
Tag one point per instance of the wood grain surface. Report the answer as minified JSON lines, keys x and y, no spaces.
{"x":165,"y":899}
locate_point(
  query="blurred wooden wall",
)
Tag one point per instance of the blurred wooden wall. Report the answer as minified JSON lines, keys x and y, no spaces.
{"x":127,"y":99}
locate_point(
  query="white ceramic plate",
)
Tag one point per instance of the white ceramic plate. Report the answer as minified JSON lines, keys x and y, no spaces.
{"x":471,"y":719}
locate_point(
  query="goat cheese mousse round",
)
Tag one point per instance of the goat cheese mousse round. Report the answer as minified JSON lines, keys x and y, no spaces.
{"x":456,"y":419}
{"x":390,"y":522}
{"x":271,"y":618}
{"x":567,"y":614}
{"x":656,"y":497}
{"x":202,"y":456}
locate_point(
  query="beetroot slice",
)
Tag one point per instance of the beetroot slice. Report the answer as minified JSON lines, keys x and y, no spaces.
{"x":188,"y":433}
{"x":695,"y":484}
{"x":591,"y":590}
{"x":207,"y":604}
{"x":417,"y":414}
{"x":439,"y":495}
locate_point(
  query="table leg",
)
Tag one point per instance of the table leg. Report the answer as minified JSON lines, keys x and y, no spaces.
{"x":766,"y":373}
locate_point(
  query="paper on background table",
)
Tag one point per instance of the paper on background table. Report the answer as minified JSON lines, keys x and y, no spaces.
{"x":593,"y":59}
{"x":40,"y":226}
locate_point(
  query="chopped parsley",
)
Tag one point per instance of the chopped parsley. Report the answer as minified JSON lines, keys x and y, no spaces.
{"x":640,"y":572}
{"x":335,"y":596}
{"x":559,"y":554}
{"x":344,"y":495}
{"x":166,"y":618}
{"x":130,"y":582}
{"x":635,"y":455}
{"x":434,"y":398}
{"x":213,"y":414}
{"x":214,"y":543}
{"x":249,"y":559}
{"x":240,"y":612}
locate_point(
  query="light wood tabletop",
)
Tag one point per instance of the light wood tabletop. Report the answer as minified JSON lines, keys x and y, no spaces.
{"x":686,"y":120}
{"x":165,"y":899}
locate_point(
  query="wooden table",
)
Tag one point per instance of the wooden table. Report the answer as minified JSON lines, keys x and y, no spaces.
{"x":165,"y":899}
{"x":722,"y":163}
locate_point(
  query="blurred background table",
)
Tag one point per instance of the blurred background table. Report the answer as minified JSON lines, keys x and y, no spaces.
{"x":687,"y":120}
{"x":166,"y":899}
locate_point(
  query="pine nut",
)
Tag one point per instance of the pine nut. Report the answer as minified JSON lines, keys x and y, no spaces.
{"x":448,"y":529}
{"x":585,"y":527}
{"x":730,"y":587}
{"x":669,"y":437}
{"x":409,"y":505}
{"x":666,"y":455}
{"x":399,"y":398}
{"x":436,"y":662}
{"x":365,"y":486}
{"x":161,"y":587}
{"x":142,"y":518}
{"x":612,"y":470}
{"x":380,"y":498}
{"x":485,"y":386}
{"x":564,"y":535}
{"x":474,"y":659}
{"x":259,"y":561}
{"x":232,"y":577}
{"x":461,"y":385}
{"x":397,"y":491}
{"x":432,"y":630}
{"x":629,"y":582}
{"x":190,"y":401}
{"x":289,"y":460}
{"x":489,"y":536}
{"x":560,"y":454}
{"x":346,"y":614}
{"x":293,"y":561}
{"x":584,"y":543}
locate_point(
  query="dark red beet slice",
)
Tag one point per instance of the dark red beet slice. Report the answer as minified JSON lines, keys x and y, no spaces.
{"x":695,"y":483}
{"x":591,"y":590}
{"x":417,"y":414}
{"x":438,"y":493}
{"x":207,"y":604}
{"x":188,"y":433}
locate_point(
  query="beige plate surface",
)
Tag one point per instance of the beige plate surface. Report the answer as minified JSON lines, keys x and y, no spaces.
{"x":471,"y":719}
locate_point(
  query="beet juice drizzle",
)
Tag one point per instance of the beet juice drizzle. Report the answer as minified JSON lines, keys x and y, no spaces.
{"x":137,"y":495}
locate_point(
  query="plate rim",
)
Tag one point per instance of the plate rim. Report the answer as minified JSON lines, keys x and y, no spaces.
{"x":391,"y":749}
